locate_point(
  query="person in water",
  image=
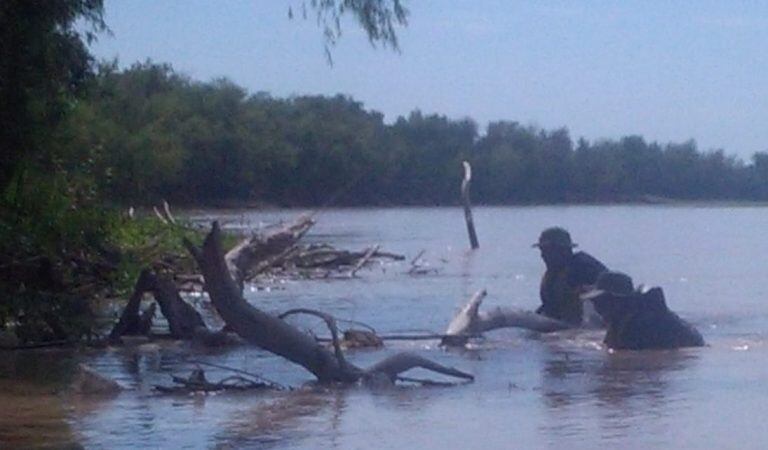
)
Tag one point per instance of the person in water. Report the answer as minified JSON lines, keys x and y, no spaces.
{"x":637,"y":319}
{"x":568,"y":275}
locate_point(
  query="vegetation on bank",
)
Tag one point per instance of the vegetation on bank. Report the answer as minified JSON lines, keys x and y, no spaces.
{"x":60,"y":259}
{"x":63,"y":241}
{"x":152,"y":133}
{"x":80,"y":142}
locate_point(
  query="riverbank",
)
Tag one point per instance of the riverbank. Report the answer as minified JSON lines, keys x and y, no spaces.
{"x":537,"y":391}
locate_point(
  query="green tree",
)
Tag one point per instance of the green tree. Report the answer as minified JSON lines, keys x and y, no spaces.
{"x":44,"y":64}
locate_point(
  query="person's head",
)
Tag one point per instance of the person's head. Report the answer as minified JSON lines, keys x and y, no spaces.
{"x":613,"y":295}
{"x":556,"y":247}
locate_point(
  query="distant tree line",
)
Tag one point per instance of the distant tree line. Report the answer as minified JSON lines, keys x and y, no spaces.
{"x":148,"y":133}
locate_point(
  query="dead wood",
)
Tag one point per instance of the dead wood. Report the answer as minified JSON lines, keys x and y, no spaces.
{"x":396,"y":364}
{"x":467,"y":208}
{"x":260,"y":378}
{"x":255,"y":326}
{"x":130,"y":323}
{"x":197,"y":382}
{"x":361,"y":339}
{"x":167,"y":213}
{"x":330,"y":321}
{"x":388,"y":255}
{"x":182,"y":318}
{"x":417,"y":268}
{"x":470,"y":321}
{"x":159,"y":216}
{"x":210,"y":338}
{"x":401,"y":337}
{"x":361,"y":262}
{"x":415,"y":260}
{"x":145,"y":320}
{"x":316,"y":262}
{"x":277,"y":336}
{"x":254,"y":249}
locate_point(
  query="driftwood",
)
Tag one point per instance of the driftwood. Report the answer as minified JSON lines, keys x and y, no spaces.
{"x":467,"y":208}
{"x":363,"y":260}
{"x":167,"y":212}
{"x":254,"y":249}
{"x":183,"y":320}
{"x":316,"y":261}
{"x":131,"y":322}
{"x":276,"y":252}
{"x":417,"y":268}
{"x":277,"y":336}
{"x":197,"y":382}
{"x":164,"y":216}
{"x":470,"y":321}
{"x":361,"y":339}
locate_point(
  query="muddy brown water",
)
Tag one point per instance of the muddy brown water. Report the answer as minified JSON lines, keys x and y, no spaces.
{"x":532,"y":391}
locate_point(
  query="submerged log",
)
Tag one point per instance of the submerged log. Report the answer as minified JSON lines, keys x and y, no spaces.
{"x":467,"y":208}
{"x":470,"y":321}
{"x":279,"y":337}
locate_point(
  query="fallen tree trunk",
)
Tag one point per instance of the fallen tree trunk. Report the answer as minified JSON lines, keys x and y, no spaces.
{"x":197,"y":382}
{"x":183,"y":321}
{"x":277,"y":336}
{"x":470,"y":321}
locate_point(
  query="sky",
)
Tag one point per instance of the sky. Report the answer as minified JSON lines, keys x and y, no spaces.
{"x":667,"y":70}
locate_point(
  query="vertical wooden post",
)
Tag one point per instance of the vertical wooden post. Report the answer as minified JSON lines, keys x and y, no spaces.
{"x":467,"y":210}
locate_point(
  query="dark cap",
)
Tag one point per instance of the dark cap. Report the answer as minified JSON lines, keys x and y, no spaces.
{"x":615,"y":283}
{"x":556,"y":237}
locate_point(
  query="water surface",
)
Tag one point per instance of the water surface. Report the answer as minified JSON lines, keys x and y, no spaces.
{"x":534,"y":391}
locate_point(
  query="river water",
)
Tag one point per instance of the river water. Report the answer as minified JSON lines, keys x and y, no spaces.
{"x":531,"y":391}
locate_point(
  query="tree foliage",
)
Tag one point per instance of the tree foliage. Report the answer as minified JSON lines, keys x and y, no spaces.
{"x":159,"y":135}
{"x":44,"y":64}
{"x":377,"y":18}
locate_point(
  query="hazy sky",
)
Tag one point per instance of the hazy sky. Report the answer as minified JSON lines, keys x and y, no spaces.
{"x":667,"y":70}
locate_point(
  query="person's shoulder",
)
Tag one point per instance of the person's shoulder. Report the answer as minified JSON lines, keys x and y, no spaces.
{"x":585,"y":268}
{"x":584,"y":259}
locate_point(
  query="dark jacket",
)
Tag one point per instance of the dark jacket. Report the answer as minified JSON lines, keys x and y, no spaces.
{"x":643,"y":321}
{"x":560,"y":289}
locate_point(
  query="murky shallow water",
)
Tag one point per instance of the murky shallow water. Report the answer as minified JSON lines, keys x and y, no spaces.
{"x":532,"y":391}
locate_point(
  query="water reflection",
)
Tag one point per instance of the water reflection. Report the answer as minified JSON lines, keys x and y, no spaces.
{"x":614,"y":391}
{"x":32,"y":412}
{"x":285,"y":419}
{"x":531,"y":391}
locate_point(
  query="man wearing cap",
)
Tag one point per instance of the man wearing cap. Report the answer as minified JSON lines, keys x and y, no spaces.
{"x":637,"y":319}
{"x":568,"y":274}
